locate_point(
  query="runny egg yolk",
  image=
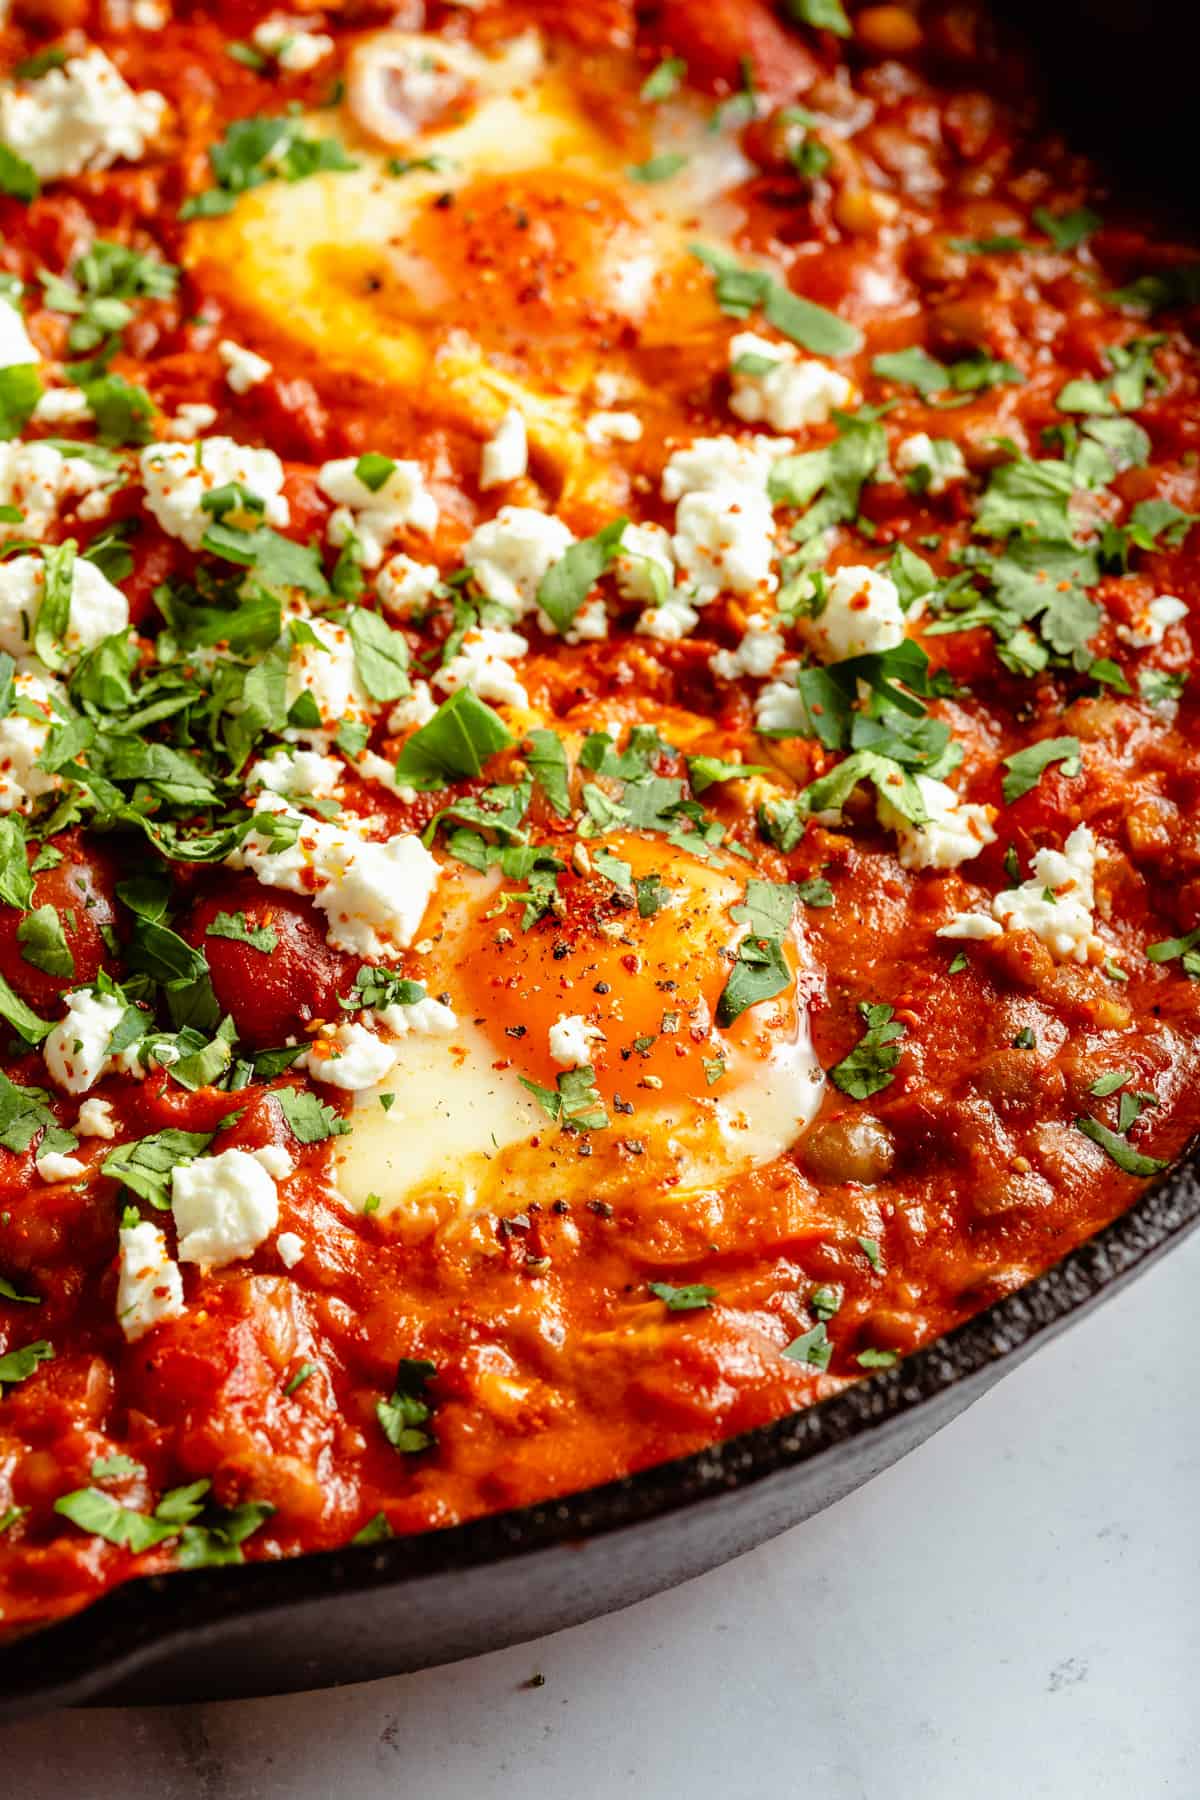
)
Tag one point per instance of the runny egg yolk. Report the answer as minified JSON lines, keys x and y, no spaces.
{"x":642,"y":962}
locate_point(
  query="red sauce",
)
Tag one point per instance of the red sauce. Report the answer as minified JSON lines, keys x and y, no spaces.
{"x":897,"y":1214}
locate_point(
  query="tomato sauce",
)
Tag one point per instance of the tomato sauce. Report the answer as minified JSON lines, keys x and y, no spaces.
{"x":576,"y":1338}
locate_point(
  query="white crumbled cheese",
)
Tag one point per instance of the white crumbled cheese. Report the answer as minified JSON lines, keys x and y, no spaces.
{"x":1063,"y":922}
{"x":373,"y":894}
{"x":512,"y":553}
{"x":779,"y":708}
{"x":761,"y":647}
{"x":373,"y":517}
{"x":15,"y":346}
{"x":62,"y":406}
{"x":22,"y":741}
{"x":484,"y":664}
{"x":414,"y":710}
{"x":150,"y":15}
{"x":973,"y":927}
{"x":377,"y":768}
{"x":275,"y":1160}
{"x":290,"y":1247}
{"x":328,"y":672}
{"x":76,"y":1049}
{"x":96,"y":1120}
{"x":149,"y":1284}
{"x":790,"y":394}
{"x":940,"y":456}
{"x":612,"y":428}
{"x":39,"y":482}
{"x":956,"y":830}
{"x":1151,"y":624}
{"x":176,"y":480}
{"x":55,"y":1166}
{"x":506,"y":453}
{"x":404,"y":584}
{"x":645,"y":569}
{"x":244,"y":369}
{"x":97,"y":608}
{"x":349,"y":1057}
{"x":78,"y":117}
{"x":303,"y":772}
{"x":193,"y":418}
{"x":670,"y":622}
{"x":725,"y":540}
{"x":711,"y":465}
{"x":294,"y":48}
{"x":588,"y":626}
{"x":571,"y":1040}
{"x":427,"y":1017}
{"x":861,"y":614}
{"x":224,"y":1207}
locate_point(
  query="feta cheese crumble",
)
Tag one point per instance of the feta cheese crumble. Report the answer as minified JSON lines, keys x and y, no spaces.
{"x":224,"y":1207}
{"x":290,"y":1247}
{"x":956,"y":830}
{"x":349,"y":1057}
{"x":511,"y":553}
{"x":791,"y":393}
{"x":97,"y":608}
{"x":506,"y":453}
{"x":327,"y":672}
{"x":40,"y":482}
{"x":1151,"y":625}
{"x":1056,"y":904}
{"x":571,"y":1040}
{"x":861,"y":614}
{"x":15,"y":347}
{"x":81,"y":116}
{"x":404,"y":584}
{"x":294,"y":47}
{"x":149,"y":1284}
{"x":22,"y":741}
{"x":53,"y":1165}
{"x":96,"y":1120}
{"x":374,"y":516}
{"x":177,"y":479}
{"x":483,"y":663}
{"x":76,"y":1049}
{"x":604,"y":428}
{"x":939,"y":461}
{"x":244,"y":369}
{"x":374,"y":894}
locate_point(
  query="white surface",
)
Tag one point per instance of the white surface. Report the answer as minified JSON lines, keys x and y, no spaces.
{"x":1013,"y":1613}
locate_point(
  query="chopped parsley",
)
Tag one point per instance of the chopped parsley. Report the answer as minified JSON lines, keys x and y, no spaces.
{"x":695,"y":1297}
{"x":871,"y":1065}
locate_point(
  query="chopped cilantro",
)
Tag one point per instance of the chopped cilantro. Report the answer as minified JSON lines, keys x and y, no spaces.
{"x":695,"y":1297}
{"x":871,"y":1065}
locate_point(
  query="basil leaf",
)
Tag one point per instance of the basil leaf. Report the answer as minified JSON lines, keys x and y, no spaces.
{"x":380,"y":655}
{"x":97,"y":1512}
{"x":462,"y":734}
{"x":811,"y":1347}
{"x":404,"y":1416}
{"x":54,"y":612}
{"x":20,"y":391}
{"x":695,"y":1297}
{"x":145,"y":1166}
{"x":914,"y":368}
{"x":1026,"y":767}
{"x":17,"y":177}
{"x":310,"y":1120}
{"x":234,"y":926}
{"x":16,"y":877}
{"x":547,"y":760}
{"x":665,"y":80}
{"x":44,"y":942}
{"x":1067,"y":230}
{"x":18,"y":1365}
{"x":705,"y":771}
{"x":1129,"y":1160}
{"x":568,"y":582}
{"x":374,"y":471}
{"x":822,"y":15}
{"x":871,"y":1065}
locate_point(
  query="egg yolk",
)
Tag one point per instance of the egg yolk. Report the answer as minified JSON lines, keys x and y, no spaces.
{"x":643,"y":964}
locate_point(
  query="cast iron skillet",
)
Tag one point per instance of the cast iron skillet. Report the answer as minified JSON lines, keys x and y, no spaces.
{"x":354,"y":1614}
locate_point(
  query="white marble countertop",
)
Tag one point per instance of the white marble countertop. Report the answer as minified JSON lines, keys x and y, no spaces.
{"x":1014,"y":1611}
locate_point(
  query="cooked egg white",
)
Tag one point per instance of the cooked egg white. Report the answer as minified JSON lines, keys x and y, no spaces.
{"x":534,"y":204}
{"x":463,"y":1133}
